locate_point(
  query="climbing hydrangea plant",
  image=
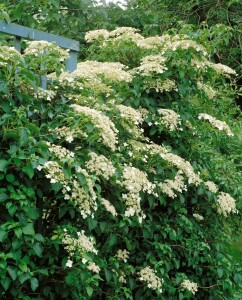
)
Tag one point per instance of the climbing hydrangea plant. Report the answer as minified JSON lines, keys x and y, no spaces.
{"x":118,"y":181}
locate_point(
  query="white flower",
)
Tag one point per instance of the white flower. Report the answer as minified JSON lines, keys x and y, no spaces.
{"x":69,"y":263}
{"x":69,"y":138}
{"x":198,"y":217}
{"x":189,"y":285}
{"x":84,"y":260}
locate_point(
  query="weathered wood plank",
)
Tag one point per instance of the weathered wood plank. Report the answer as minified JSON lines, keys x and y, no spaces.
{"x":33,"y":34}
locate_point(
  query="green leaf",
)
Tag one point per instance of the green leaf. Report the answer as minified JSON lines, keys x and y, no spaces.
{"x":32,"y":212}
{"x":18,"y":232}
{"x":90,"y":127}
{"x":89,"y":291}
{"x":3,"y":235}
{"x":34,"y":283}
{"x":108,"y":275}
{"x":10,"y":178}
{"x":3,"y":165}
{"x":112,"y":240}
{"x":16,"y":243}
{"x":220,"y":272}
{"x":23,"y":277}
{"x":23,"y":266}
{"x":38,"y":249}
{"x":28,"y":169}
{"x":39,"y":237}
{"x":12,"y":210}
{"x":6,"y":283}
{"x":23,"y":136}
{"x":92,"y":224}
{"x":3,"y":197}
{"x":28,"y":229}
{"x":12,"y":272}
{"x":3,"y":264}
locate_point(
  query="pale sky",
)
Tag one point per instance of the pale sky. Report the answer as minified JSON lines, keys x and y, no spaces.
{"x":117,"y":1}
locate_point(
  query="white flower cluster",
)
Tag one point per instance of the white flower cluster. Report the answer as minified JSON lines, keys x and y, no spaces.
{"x":226,"y":204}
{"x":204,"y":64}
{"x":94,"y":35}
{"x":208,"y":90}
{"x":200,"y":64}
{"x":220,"y":125}
{"x":152,"y":64}
{"x":198,"y":217}
{"x":170,"y":119}
{"x":82,"y":244}
{"x":65,"y":79}
{"x":185,"y":44}
{"x":152,"y":42}
{"x":100,"y":165}
{"x":160,"y":85}
{"x":169,"y":187}
{"x":43,"y":47}
{"x":8,"y":54}
{"x":109,"y":207}
{"x":122,"y":278}
{"x":130,"y":114}
{"x":135,"y":181}
{"x":93,"y":267}
{"x":60,"y":152}
{"x":120,"y":33}
{"x":212,"y":187}
{"x":132,"y":202}
{"x":190,"y":286}
{"x":122,"y":255}
{"x":222,"y":69}
{"x":54,"y":172}
{"x":102,"y":122}
{"x":122,"y":30}
{"x":85,"y":201}
{"x":65,"y":132}
{"x":183,"y":165}
{"x":96,"y":86}
{"x":45,"y":94}
{"x":113,"y":71}
{"x":148,"y":276}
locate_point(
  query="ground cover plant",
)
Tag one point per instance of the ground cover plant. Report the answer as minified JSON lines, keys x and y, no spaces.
{"x":122,"y":179}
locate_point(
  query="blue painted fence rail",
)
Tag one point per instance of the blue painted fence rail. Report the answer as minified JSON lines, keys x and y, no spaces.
{"x":19,"y":32}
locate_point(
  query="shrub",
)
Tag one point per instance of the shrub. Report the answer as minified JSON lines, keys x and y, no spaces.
{"x":117,"y":182}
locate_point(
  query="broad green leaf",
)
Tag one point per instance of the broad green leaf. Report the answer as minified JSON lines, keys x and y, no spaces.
{"x":28,"y":229}
{"x":3,"y":235}
{"x":34,"y":283}
{"x":3,"y":165}
{"x":6,"y":283}
{"x":38,"y":249}
{"x":3,"y":197}
{"x":23,"y":266}
{"x":10,"y":178}
{"x":38,"y":237}
{"x":12,"y":272}
{"x":89,"y":291}
{"x":28,"y":169}
{"x":23,"y":277}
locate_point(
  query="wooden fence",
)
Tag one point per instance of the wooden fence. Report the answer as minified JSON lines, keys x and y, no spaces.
{"x":20,"y":32}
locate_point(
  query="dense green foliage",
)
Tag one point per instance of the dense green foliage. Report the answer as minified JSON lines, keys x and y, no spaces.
{"x":125,"y":161}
